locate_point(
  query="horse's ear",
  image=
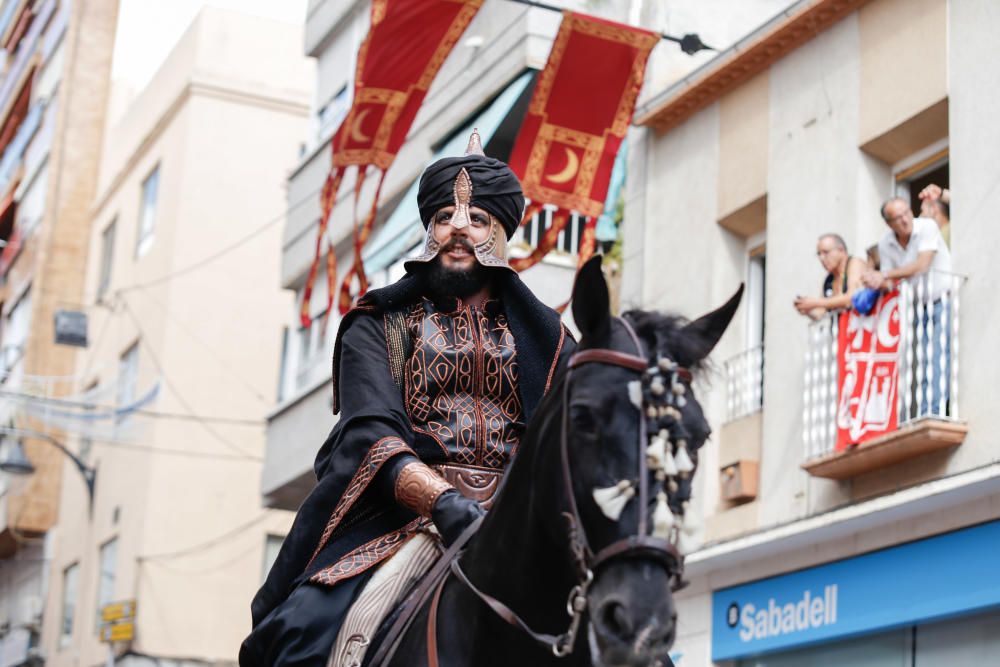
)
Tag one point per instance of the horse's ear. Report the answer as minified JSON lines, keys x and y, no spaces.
{"x":591,"y":304}
{"x":706,"y":331}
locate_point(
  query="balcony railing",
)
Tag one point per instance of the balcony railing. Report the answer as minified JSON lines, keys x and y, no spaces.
{"x":23,"y":55}
{"x":744,"y":383}
{"x":927,"y":361}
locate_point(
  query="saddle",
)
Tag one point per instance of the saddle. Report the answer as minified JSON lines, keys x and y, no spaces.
{"x":389,"y":636}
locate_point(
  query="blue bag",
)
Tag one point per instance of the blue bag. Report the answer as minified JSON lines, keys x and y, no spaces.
{"x":864,"y":300}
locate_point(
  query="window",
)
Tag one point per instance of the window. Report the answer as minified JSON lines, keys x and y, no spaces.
{"x":70,"y":575}
{"x":332,"y":113}
{"x":15,"y":335}
{"x":310,"y":343}
{"x":926,"y":167}
{"x":147,"y":213}
{"x":272,"y":545}
{"x":107,"y":258}
{"x":106,"y":576}
{"x":86,"y":439}
{"x":283,"y":369}
{"x":128,"y":372}
{"x":529,"y":235}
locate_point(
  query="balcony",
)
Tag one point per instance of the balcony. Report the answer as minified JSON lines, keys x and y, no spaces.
{"x":891,"y":394}
{"x":740,"y":438}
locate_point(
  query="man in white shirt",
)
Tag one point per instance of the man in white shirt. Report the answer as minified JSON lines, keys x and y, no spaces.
{"x":914,"y":250}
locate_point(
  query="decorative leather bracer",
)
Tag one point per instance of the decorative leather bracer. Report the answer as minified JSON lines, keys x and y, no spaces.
{"x":418,"y":487}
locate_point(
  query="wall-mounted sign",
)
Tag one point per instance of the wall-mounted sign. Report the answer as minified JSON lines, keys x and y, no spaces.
{"x":946,"y":575}
{"x":118,"y":621}
{"x":71,"y":328}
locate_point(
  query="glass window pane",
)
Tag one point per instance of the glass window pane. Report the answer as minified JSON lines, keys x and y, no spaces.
{"x":106,"y":580}
{"x":147,"y":212}
{"x":68,"y":604}
{"x":107,"y":257}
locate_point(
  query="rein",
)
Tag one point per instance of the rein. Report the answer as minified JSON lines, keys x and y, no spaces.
{"x":584,"y":559}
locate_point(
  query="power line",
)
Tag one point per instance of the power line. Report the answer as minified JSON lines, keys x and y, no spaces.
{"x":177,"y":394}
{"x":146,"y":413}
{"x":147,"y":449}
{"x":311,"y":197}
{"x":210,"y":543}
{"x":222,"y":362}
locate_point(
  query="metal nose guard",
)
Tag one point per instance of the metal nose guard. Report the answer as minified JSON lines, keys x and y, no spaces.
{"x":463,"y":196}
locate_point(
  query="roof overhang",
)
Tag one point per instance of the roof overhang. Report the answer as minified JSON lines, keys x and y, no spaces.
{"x":787,"y":31}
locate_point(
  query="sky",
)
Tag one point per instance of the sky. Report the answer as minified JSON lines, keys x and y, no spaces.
{"x":149,"y":29}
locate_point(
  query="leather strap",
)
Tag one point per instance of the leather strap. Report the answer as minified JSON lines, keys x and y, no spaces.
{"x":502,"y":610}
{"x":611,"y":357}
{"x":415,"y":600}
{"x":432,"y":641}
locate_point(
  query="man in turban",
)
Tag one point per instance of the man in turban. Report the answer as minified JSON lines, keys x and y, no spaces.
{"x":434,"y":377}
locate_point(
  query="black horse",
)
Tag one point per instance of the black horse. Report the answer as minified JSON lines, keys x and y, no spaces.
{"x":526,"y":556}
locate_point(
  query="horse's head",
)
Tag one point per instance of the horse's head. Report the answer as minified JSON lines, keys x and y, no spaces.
{"x":633,"y":431}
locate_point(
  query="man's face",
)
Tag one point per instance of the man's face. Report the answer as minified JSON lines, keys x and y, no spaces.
{"x":899,"y":217}
{"x":829,"y":253}
{"x":458,"y":245}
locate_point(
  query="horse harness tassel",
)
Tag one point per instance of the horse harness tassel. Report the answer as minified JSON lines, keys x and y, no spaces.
{"x":658,"y":405}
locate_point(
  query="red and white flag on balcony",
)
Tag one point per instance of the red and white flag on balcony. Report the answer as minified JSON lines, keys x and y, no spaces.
{"x":405,"y":47}
{"x":868,"y":372}
{"x":579,"y":113}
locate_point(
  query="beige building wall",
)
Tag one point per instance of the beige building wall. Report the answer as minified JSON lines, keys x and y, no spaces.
{"x":828,"y":122}
{"x":178,"y":483}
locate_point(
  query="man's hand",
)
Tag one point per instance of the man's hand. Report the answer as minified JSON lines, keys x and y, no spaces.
{"x":806,"y":305}
{"x":452,"y":514}
{"x":874,"y":279}
{"x":934,"y":193}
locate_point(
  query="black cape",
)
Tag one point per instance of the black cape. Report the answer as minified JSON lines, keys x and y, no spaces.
{"x":374,"y":409}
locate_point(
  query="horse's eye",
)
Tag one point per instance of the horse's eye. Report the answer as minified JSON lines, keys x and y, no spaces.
{"x":583,"y":420}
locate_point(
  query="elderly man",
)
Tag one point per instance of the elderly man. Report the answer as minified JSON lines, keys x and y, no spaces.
{"x":435,"y":378}
{"x":914,"y":250}
{"x":843,"y":278}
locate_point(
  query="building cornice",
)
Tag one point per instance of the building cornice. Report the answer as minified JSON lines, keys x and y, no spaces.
{"x":203,"y":87}
{"x":751,"y":55}
{"x":922,"y":499}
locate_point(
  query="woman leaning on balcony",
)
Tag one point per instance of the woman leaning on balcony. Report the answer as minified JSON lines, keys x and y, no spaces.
{"x":843,"y":278}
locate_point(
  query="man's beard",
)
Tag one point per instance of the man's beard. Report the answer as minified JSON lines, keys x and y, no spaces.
{"x":442,"y":281}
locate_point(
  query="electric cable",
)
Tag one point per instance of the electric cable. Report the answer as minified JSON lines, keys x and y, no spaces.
{"x":177,"y":394}
{"x":210,"y":543}
{"x":215,"y":355}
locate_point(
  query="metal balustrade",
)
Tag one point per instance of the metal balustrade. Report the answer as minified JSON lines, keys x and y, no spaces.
{"x":928,"y":361}
{"x":744,"y":383}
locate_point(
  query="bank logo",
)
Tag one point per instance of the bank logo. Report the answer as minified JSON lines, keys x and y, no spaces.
{"x":776,"y":619}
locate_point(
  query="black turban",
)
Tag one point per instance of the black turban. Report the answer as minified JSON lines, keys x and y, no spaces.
{"x":495,"y":188}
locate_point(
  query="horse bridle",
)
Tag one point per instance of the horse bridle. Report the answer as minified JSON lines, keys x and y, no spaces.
{"x":641,"y":544}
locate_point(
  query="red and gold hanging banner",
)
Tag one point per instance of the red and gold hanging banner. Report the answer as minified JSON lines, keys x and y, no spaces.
{"x":399,"y":58}
{"x":868,"y":372}
{"x":579,"y":113}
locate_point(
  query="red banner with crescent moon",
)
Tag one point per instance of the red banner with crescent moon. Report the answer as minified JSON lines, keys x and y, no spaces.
{"x":579,"y":113}
{"x":405,"y":47}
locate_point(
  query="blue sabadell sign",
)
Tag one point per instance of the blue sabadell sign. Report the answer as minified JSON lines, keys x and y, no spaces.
{"x":945,"y":575}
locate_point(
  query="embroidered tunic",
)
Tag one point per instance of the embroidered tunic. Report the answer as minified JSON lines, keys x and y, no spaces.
{"x":461,"y":383}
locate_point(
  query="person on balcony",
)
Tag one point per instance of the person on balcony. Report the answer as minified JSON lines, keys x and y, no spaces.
{"x":843,"y":278}
{"x":935,"y":203}
{"x":913,"y":250}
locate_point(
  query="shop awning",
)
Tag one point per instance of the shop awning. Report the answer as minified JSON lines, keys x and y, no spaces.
{"x":403,"y":229}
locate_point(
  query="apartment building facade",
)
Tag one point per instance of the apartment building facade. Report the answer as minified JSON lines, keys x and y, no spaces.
{"x":56,"y":57}
{"x":868,"y":555}
{"x":168,"y":398}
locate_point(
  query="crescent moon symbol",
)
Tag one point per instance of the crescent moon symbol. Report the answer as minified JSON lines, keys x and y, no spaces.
{"x":569,"y":171}
{"x":356,"y":133}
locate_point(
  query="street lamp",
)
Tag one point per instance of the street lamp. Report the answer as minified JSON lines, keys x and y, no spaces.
{"x":15,"y":462}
